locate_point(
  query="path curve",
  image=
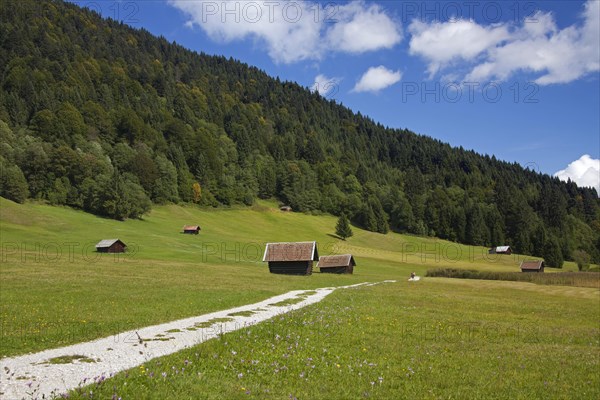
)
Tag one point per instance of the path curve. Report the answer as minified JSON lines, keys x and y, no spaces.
{"x":33,"y":376}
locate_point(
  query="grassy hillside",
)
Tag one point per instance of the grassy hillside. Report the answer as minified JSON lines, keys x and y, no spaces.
{"x":56,"y":290}
{"x":437,"y":338}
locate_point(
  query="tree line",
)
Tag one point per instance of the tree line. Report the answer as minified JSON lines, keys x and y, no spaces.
{"x":110,"y":119}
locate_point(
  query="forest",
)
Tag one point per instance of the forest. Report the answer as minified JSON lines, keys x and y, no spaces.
{"x":102,"y":117}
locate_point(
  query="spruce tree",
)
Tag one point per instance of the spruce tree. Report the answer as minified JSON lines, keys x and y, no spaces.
{"x":342,"y":229}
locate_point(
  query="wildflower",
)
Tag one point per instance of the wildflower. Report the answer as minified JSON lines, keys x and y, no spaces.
{"x":164,"y":374}
{"x":240,"y":375}
{"x":233,"y":352}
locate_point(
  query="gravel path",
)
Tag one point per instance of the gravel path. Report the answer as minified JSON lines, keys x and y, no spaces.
{"x":34,"y":376}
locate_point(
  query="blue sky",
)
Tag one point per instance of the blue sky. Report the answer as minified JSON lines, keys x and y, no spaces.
{"x":516,"y":79}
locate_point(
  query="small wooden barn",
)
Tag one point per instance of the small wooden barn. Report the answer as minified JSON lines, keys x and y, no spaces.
{"x":532,"y":266}
{"x":111,"y":246}
{"x":285,"y":208}
{"x":500,"y":250}
{"x":295,"y":258}
{"x":338,"y":264}
{"x":191,"y":229}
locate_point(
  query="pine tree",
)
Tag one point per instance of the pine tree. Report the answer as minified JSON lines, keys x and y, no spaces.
{"x":552,"y":254}
{"x":342,"y":229}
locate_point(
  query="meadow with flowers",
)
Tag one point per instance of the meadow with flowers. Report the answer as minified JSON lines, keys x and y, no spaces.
{"x":437,"y":338}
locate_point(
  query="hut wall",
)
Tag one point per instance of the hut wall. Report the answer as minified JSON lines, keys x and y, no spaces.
{"x":337,"y":270}
{"x":116,"y":248}
{"x":291,"y":267}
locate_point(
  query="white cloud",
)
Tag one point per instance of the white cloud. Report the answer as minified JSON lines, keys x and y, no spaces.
{"x":327,"y":87}
{"x":376,"y":79}
{"x":295,"y":31}
{"x":361,"y":29}
{"x":440,"y":43}
{"x":498,"y":51}
{"x":584,"y":172}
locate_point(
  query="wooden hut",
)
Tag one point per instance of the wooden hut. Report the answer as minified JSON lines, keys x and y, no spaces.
{"x":111,"y":246}
{"x":500,"y":250}
{"x":532,"y":266}
{"x":294,"y":258}
{"x":191,"y":229}
{"x":339,"y":264}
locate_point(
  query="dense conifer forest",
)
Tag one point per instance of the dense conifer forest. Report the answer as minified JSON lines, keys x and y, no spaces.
{"x":99,"y":116}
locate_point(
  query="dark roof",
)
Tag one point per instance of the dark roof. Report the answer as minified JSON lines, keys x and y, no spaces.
{"x":293,"y":251}
{"x":191,"y":228}
{"x":108,"y":243}
{"x":342,"y":260}
{"x":532,"y":264}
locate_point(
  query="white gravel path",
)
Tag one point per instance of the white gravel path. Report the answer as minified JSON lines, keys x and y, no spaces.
{"x":31,"y":376}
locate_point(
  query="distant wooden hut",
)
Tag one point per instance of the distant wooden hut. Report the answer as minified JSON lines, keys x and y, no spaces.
{"x":191,"y":229}
{"x":285,"y":208}
{"x":111,"y":246}
{"x":532,"y":266}
{"x":295,"y":258}
{"x":339,"y":264}
{"x":500,"y":250}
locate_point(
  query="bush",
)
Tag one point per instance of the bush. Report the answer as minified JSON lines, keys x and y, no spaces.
{"x":582,"y":279}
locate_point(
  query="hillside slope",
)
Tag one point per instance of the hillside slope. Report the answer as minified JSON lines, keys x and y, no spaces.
{"x":109,"y":119}
{"x":56,"y":290}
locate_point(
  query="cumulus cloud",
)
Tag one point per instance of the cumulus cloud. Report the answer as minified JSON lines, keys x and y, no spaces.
{"x":499,"y":50}
{"x":441,"y":43}
{"x":584,"y":172}
{"x":295,"y":31}
{"x":376,"y":79}
{"x":361,"y":29}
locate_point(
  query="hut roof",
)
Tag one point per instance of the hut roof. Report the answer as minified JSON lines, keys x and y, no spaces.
{"x":342,"y":260}
{"x":108,"y":243}
{"x":532,"y":264}
{"x":502,"y":249}
{"x":291,"y":251}
{"x":191,"y":228}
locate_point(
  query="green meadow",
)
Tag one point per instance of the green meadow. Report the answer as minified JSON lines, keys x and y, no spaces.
{"x":436,"y":338}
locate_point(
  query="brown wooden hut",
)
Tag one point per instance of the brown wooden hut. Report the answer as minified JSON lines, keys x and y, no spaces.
{"x":500,"y":250}
{"x":191,"y":229}
{"x":338,"y":264}
{"x":111,"y":246}
{"x":295,"y":258}
{"x":532,"y":266}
